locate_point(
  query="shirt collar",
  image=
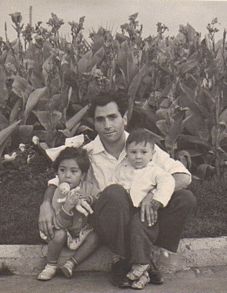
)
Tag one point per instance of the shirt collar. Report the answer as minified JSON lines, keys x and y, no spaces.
{"x":97,"y":146}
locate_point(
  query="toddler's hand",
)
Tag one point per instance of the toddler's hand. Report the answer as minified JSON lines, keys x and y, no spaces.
{"x":84,"y":207}
{"x":72,"y":199}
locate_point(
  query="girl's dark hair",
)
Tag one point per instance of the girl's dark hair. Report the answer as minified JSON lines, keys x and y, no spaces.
{"x":78,"y":154}
{"x":105,"y":98}
{"x":140,"y":135}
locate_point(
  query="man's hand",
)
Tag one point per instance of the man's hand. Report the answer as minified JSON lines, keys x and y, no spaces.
{"x":46,"y":217}
{"x":149,"y":209}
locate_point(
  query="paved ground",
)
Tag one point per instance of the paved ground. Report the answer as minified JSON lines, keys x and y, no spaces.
{"x":206,"y":280}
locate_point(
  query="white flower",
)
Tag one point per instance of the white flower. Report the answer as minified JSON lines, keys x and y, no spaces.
{"x":35,"y":140}
{"x":22,"y":147}
{"x":11,"y":157}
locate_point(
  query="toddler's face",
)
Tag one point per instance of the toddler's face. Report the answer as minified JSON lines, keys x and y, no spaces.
{"x":139,"y":154}
{"x":69,"y":171}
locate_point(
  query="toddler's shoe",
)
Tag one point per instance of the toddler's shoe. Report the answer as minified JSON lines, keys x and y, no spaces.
{"x":47,"y":273}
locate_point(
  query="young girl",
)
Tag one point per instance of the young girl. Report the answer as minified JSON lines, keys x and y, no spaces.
{"x":70,"y":226}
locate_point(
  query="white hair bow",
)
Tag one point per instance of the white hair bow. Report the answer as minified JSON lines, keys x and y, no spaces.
{"x":75,"y":141}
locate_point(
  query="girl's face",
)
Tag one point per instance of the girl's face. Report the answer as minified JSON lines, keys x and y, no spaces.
{"x":139,"y":154}
{"x":69,"y":172}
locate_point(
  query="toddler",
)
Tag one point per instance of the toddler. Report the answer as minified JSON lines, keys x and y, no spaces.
{"x":139,"y":176}
{"x":70,"y":226}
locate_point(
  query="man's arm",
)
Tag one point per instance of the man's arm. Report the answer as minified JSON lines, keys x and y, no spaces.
{"x":46,"y":214}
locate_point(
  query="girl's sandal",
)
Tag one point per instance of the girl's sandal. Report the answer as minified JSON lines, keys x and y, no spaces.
{"x":137,"y":271}
{"x":142,"y":282}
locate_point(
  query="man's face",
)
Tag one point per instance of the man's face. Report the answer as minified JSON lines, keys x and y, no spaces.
{"x":109,"y":123}
{"x":139,"y":154}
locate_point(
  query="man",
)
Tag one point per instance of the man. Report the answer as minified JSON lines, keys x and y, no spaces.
{"x":112,"y":211}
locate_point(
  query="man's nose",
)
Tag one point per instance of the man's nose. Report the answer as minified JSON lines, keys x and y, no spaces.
{"x":107,"y":124}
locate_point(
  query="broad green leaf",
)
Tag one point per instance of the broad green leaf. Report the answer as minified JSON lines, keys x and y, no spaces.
{"x":70,"y":133}
{"x":122,"y":56}
{"x":134,"y":86}
{"x":195,"y":139}
{"x":48,"y":68}
{"x":76,"y":118}
{"x":162,"y":113}
{"x":21,"y":88}
{"x":188,"y":66}
{"x":223,"y":116}
{"x":97,"y":58}
{"x":6,"y":133}
{"x":89,"y":60}
{"x":188,"y":101}
{"x":48,"y":120}
{"x":3,"y":121}
{"x":15,"y":111}
{"x":132,"y":67}
{"x":175,"y":129}
{"x":204,"y":171}
{"x":84,"y":62}
{"x":33,"y":99}
{"x":194,"y":124}
{"x":162,"y":126}
{"x":185,"y":158}
{"x":25,"y":133}
{"x":3,"y":89}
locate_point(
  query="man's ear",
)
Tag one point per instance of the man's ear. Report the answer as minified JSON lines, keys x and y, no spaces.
{"x":125,"y":118}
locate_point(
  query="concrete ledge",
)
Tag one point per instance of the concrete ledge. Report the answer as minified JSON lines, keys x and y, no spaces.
{"x":30,"y":259}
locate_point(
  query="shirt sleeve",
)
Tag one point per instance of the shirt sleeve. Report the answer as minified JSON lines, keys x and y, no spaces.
{"x":53,"y":181}
{"x":163,"y":160}
{"x":165,"y":185}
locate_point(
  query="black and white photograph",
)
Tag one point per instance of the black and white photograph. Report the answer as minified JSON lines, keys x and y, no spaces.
{"x":113,"y":146}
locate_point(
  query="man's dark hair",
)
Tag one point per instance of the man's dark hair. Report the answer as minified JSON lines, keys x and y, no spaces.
{"x":105,"y":98}
{"x":78,"y":154}
{"x":140,"y":135}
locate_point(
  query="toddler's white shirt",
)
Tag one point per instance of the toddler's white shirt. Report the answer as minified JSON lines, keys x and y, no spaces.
{"x":138,"y":182}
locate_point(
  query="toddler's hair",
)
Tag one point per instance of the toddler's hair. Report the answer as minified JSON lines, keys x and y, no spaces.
{"x":78,"y":154}
{"x":140,"y":135}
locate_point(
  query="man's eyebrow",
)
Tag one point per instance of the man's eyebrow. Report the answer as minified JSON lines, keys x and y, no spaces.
{"x":103,"y":116}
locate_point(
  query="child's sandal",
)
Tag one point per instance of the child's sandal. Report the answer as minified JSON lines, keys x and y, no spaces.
{"x":137,"y":271}
{"x":142,"y":282}
{"x":47,"y":273}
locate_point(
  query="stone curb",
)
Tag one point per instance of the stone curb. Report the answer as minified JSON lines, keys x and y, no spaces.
{"x":192,"y":252}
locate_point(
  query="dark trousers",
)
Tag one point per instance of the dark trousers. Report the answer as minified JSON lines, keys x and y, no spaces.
{"x":118,"y":223}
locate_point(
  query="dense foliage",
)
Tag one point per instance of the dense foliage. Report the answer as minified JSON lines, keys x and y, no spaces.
{"x":174,"y":86}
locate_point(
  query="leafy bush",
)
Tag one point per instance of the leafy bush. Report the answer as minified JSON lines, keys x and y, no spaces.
{"x":175,"y":86}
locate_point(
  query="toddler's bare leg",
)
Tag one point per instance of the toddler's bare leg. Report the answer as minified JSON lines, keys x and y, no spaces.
{"x":88,"y":246}
{"x":55,"y":246}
